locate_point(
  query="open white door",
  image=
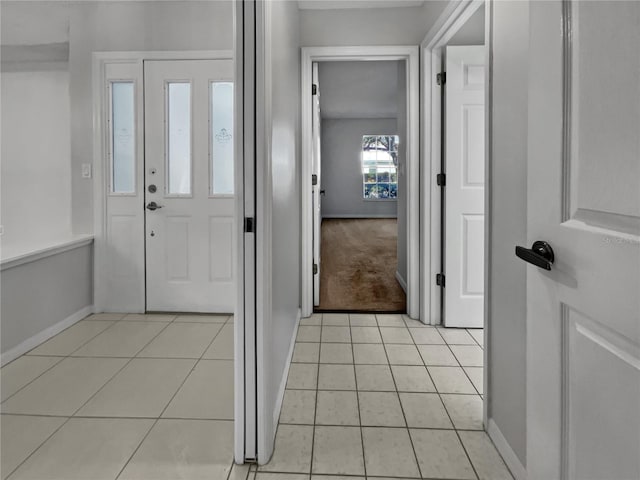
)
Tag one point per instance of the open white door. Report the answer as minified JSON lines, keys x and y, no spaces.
{"x":190,"y":240}
{"x":317,"y":214}
{"x":583,"y":316}
{"x":463,"y":246}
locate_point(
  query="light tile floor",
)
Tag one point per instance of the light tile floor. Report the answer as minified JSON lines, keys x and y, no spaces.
{"x":120,"y":396}
{"x":383,"y":396}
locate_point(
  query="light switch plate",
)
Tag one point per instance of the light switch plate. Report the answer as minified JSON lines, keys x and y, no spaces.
{"x":86,"y":170}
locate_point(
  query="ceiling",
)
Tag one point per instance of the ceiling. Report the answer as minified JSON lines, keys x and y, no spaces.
{"x":344,"y":4}
{"x":358,"y":89}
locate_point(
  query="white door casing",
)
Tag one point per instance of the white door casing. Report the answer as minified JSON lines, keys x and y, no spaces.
{"x":190,"y":240}
{"x":583,"y":316}
{"x":463,"y":247}
{"x":317,"y":200}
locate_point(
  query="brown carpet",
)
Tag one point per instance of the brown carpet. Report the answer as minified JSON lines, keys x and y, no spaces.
{"x":358,"y":266}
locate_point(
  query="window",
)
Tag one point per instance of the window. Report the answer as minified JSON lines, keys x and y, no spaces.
{"x":179,"y":138}
{"x":380,"y":167}
{"x":123,"y":148}
{"x":221,"y":137}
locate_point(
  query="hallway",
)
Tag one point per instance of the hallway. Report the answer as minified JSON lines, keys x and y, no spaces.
{"x":383,"y":396}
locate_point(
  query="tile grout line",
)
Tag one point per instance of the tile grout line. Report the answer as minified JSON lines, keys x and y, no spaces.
{"x":315,"y":410}
{"x":355,"y":376}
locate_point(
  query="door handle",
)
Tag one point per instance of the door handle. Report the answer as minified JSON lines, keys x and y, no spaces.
{"x":540,"y":254}
{"x":153,"y":206}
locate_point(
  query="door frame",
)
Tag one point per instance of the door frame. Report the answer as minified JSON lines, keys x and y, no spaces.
{"x":364,"y":53}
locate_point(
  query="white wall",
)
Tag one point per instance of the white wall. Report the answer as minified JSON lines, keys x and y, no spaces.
{"x":283,"y":137}
{"x":402,"y":170}
{"x":507,"y":299}
{"x":35,"y":169}
{"x":341,"y":147}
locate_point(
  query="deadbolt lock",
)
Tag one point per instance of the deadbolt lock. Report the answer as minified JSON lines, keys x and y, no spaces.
{"x":153,"y":189}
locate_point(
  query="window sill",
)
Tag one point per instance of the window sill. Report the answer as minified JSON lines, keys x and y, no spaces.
{"x":379,"y":199}
{"x":14,"y":255}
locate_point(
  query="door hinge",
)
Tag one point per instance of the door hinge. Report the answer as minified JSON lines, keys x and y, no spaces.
{"x":441,"y":78}
{"x":314,"y":89}
{"x":249,"y":225}
{"x":315,"y":268}
{"x":441,"y":179}
{"x":440,"y":279}
{"x":314,"y":179}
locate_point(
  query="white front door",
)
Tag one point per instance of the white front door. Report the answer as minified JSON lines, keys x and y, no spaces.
{"x":317,"y":214}
{"x":464,"y":190}
{"x":188,"y":173}
{"x":583,"y":315}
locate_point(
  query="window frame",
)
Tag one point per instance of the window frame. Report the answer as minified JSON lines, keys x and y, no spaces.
{"x":393,"y":168}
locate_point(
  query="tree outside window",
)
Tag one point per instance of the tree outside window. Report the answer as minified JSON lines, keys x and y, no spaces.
{"x":380,"y":167}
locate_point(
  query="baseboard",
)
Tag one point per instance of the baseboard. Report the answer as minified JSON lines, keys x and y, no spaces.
{"x":285,"y":375}
{"x":359,"y":216}
{"x":401,"y":281}
{"x":44,"y":335}
{"x":508,"y":455}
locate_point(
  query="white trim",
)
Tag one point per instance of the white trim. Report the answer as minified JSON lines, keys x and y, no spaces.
{"x":285,"y":374}
{"x":365,"y":53}
{"x":44,"y":335}
{"x":508,"y":455}
{"x":22,"y":256}
{"x":401,"y":281}
{"x":358,"y":216}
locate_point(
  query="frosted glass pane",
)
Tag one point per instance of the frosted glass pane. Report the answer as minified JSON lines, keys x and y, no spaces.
{"x":179,"y":139}
{"x":221,"y":138}
{"x":123,"y":158}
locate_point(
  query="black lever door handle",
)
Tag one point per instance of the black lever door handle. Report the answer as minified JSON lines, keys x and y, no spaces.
{"x":540,"y":254}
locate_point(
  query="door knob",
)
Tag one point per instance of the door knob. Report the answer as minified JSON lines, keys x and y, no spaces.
{"x":540,"y":254}
{"x":153,"y":206}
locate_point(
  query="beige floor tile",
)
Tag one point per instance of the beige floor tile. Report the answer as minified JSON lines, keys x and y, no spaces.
{"x":411,"y":323}
{"x":403,"y":354}
{"x":477,"y":334}
{"x":303,"y":376}
{"x":440,"y":454}
{"x":106,"y":316}
{"x":476,"y":374}
{"x":141,"y":389}
{"x":292,"y":452}
{"x":375,"y":378}
{"x":362,"y":320}
{"x":336,"y":334}
{"x":298,"y":407}
{"x":336,"y":353}
{"x":222,"y":346}
{"x":365,"y":335}
{"x":380,"y":409}
{"x":69,"y":340}
{"x":314,"y":319}
{"x":338,"y":450}
{"x":182,"y":340}
{"x":390,"y":320}
{"x":124,"y":339}
{"x":188,"y":449}
{"x":465,"y":410}
{"x":207,"y":393}
{"x":85,"y":448}
{"x":456,"y":336}
{"x":149,"y":317}
{"x":437,"y":355}
{"x":339,"y":477}
{"x":240,"y":472}
{"x":388,"y":452}
{"x":335,"y":319}
{"x":424,"y":410}
{"x":337,"y":408}
{"x":64,"y":388}
{"x":23,"y":370}
{"x":369,"y":354}
{"x":306,"y":353}
{"x":282,"y":476}
{"x":308,"y":333}
{"x":21,"y":435}
{"x":336,"y":377}
{"x":395,"y":335}
{"x":450,"y":380}
{"x":426,"y":336}
{"x":484,"y":456}
{"x":203,"y":319}
{"x":411,"y":378}
{"x":468,"y":355}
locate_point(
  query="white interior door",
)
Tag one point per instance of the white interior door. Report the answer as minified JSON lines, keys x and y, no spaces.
{"x":190,"y":237}
{"x":463,"y":247}
{"x":583,"y":316}
{"x":317,"y":200}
